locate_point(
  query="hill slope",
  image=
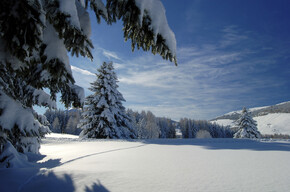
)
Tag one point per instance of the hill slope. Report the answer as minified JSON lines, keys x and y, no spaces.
{"x":270,"y":119}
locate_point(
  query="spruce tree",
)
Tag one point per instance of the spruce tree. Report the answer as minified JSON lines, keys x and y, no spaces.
{"x":104,"y":115}
{"x":247,"y":126}
{"x":35,"y":38}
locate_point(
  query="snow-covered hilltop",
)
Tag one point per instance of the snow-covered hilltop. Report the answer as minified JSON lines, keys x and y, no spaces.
{"x":273,"y":119}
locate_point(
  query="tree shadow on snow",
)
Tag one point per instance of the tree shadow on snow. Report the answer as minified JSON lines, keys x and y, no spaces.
{"x":50,"y":163}
{"x":48,"y":181}
{"x":96,"y":188}
{"x":18,"y":179}
{"x":35,"y":178}
{"x":222,"y":144}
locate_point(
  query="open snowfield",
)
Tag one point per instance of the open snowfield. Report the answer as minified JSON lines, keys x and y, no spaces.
{"x":67,"y":164}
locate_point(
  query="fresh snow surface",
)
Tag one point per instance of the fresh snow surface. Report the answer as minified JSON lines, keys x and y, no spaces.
{"x":267,"y":124}
{"x":69,"y":164}
{"x":274,"y":123}
{"x":58,"y":135}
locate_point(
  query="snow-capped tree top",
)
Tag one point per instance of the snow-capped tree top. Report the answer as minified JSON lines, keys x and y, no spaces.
{"x":244,"y":110}
{"x":246,"y":119}
{"x":104,"y":115}
{"x":247,"y":126}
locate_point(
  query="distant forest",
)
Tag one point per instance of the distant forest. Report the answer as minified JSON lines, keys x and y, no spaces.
{"x":147,"y":125}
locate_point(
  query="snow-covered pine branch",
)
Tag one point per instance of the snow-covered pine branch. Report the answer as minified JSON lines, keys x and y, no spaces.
{"x":145,"y":24}
{"x":37,"y":35}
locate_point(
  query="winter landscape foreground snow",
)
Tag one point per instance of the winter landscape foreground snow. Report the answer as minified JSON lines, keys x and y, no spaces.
{"x":68,"y":164}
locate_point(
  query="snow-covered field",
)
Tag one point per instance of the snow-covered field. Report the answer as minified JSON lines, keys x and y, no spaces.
{"x":267,"y":124}
{"x":67,"y":164}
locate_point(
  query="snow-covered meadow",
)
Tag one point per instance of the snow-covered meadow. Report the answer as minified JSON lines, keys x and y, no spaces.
{"x":68,"y":164}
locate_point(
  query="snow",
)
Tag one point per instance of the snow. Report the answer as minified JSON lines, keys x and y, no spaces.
{"x":55,"y":48}
{"x":250,"y":110}
{"x":69,"y":7}
{"x":159,"y":25}
{"x":58,"y":135}
{"x":274,"y":123}
{"x":43,"y":99}
{"x":247,"y":126}
{"x":84,"y":18}
{"x":283,"y":103}
{"x":256,"y":108}
{"x":168,"y":165}
{"x":15,"y":115}
{"x":12,"y":157}
{"x":267,"y":124}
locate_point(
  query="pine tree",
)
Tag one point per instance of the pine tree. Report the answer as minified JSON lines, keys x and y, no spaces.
{"x":167,"y":129}
{"x":151,"y":126}
{"x":35,"y":38}
{"x":247,"y":126}
{"x":56,"y":125}
{"x":104,"y":115}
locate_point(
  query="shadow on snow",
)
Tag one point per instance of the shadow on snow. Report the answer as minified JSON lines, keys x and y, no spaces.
{"x":224,"y":144}
{"x":35,"y":178}
{"x":48,"y":181}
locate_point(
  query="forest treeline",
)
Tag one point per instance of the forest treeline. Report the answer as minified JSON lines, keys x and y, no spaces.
{"x":147,"y":125}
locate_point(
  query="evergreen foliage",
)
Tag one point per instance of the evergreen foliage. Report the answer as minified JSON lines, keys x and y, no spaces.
{"x":35,"y":38}
{"x":150,"y":127}
{"x":167,"y":128}
{"x":247,"y":126}
{"x":190,"y":128}
{"x":104,"y":115}
{"x":64,"y":121}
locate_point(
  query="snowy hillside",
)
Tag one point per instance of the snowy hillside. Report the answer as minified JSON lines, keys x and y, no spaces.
{"x":68,"y":164}
{"x":270,"y":119}
{"x":259,"y":111}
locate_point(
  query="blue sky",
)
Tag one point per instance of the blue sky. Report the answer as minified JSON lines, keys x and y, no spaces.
{"x":231,"y":53}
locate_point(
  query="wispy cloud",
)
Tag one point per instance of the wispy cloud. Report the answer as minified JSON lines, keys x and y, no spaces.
{"x":110,"y":55}
{"x":83,"y":77}
{"x":231,"y":36}
{"x":211,"y":79}
{"x":82,"y":71}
